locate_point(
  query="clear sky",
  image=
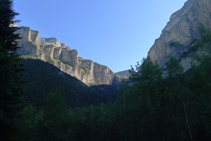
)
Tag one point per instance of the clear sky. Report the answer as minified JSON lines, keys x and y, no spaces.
{"x":115,"y":33}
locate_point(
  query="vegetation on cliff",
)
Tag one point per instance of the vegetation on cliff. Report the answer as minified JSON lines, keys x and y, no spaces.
{"x":170,"y":105}
{"x":42,"y":78}
{"x":174,"y":107}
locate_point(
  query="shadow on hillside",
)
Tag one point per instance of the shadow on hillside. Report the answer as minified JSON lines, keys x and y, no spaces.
{"x":40,"y":78}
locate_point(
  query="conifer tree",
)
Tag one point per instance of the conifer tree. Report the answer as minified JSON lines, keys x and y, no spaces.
{"x":10,"y":72}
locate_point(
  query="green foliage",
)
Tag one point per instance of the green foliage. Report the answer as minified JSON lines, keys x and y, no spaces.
{"x":28,"y":57}
{"x":28,"y":123}
{"x":201,"y":47}
{"x":54,"y":104}
{"x":203,"y":44}
{"x":54,"y":124}
{"x":175,"y":107}
{"x":40,"y":48}
{"x":205,"y":36}
{"x":173,"y":67}
{"x":151,"y":109}
{"x":41,"y":78}
{"x":53,"y":60}
{"x":84,"y":70}
{"x":10,"y":73}
{"x":147,"y":72}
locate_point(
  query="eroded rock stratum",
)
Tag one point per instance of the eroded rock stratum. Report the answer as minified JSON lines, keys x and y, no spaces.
{"x":61,"y":56}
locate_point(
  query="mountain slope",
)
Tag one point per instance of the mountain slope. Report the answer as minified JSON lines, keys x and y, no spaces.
{"x":181,"y":31}
{"x":40,"y":78}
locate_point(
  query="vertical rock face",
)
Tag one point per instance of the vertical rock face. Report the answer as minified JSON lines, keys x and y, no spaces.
{"x":123,"y":74}
{"x":60,"y":55}
{"x":49,"y":51}
{"x":70,"y":57}
{"x":30,"y":41}
{"x":57,"y":53}
{"x":182,"y":29}
{"x":102,"y":77}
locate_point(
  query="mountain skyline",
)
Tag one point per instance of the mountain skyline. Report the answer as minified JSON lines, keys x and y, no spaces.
{"x":50,"y":91}
{"x":100,"y":31}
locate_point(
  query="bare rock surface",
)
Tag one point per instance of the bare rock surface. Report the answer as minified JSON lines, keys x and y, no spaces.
{"x":182,"y":29}
{"x":61,"y":56}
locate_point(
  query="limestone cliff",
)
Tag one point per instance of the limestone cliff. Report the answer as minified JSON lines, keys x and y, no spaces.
{"x":61,"y":56}
{"x":182,"y":29}
{"x":123,"y":74}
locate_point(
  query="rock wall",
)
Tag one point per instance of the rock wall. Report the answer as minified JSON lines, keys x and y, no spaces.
{"x":182,"y":29}
{"x":123,"y":74}
{"x":61,"y":56}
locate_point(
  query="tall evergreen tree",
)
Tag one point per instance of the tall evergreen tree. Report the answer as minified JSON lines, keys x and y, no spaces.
{"x":10,"y":72}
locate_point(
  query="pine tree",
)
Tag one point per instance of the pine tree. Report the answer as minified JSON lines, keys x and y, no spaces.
{"x":10,"y":73}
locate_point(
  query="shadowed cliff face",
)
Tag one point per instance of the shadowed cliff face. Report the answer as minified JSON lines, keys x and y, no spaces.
{"x":61,"y":56}
{"x":182,"y":30}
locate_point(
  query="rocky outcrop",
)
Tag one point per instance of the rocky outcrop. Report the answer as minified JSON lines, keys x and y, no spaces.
{"x":181,"y":31}
{"x":61,"y":56}
{"x":123,"y":74}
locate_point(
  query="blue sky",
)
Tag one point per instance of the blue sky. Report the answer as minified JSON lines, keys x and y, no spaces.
{"x":115,"y":33}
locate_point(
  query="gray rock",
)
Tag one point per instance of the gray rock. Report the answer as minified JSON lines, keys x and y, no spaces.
{"x":61,"y":56}
{"x":29,"y":41}
{"x":50,"y":41}
{"x":182,"y":29}
{"x":123,"y":74}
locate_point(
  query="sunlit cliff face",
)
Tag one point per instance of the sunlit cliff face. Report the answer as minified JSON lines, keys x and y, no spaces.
{"x":61,"y":56}
{"x":182,"y":29}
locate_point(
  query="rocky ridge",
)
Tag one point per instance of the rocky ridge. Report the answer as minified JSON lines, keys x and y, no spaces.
{"x":181,"y":30}
{"x":123,"y":74}
{"x":61,"y":56}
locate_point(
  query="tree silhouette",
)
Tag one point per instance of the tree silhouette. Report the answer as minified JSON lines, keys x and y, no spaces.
{"x":10,"y":73}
